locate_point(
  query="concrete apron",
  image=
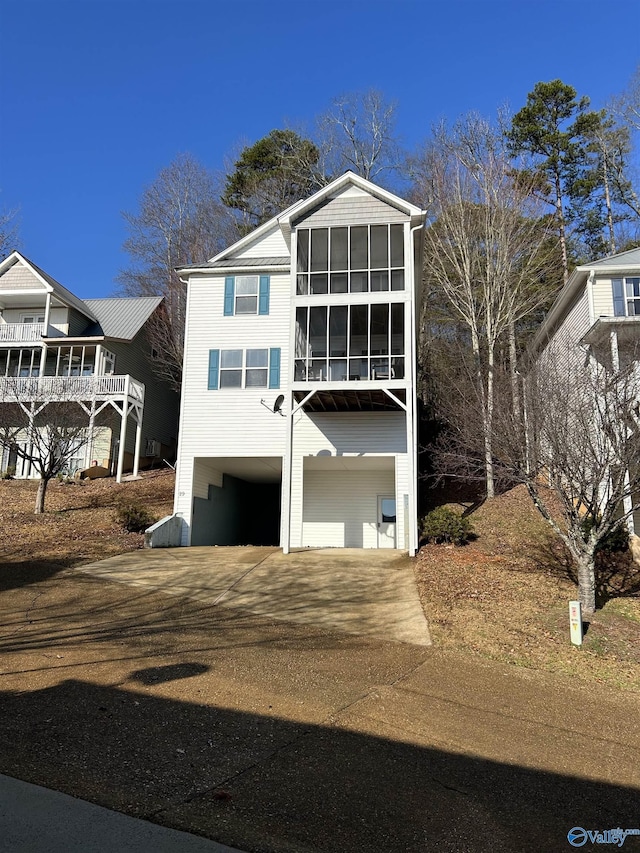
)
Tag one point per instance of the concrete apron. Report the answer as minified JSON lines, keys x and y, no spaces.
{"x":367,"y":592}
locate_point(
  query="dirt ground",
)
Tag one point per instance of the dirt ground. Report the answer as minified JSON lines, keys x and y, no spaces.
{"x":504,"y":596}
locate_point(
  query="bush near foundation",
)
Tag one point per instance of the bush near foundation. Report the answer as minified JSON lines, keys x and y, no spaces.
{"x":443,"y":525}
{"x":133,"y":516}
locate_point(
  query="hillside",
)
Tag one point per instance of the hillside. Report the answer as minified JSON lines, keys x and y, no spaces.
{"x":505,"y":596}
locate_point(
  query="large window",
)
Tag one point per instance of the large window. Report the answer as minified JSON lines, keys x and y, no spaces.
{"x":354,"y":259}
{"x":350,"y":342}
{"x":244,"y":368}
{"x":626,"y":296}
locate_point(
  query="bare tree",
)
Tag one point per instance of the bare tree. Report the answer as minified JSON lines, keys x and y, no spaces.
{"x":42,"y":424}
{"x":487,"y":249}
{"x":180,"y":221}
{"x":580,"y":436}
{"x":627,"y":105}
{"x":358,"y":133}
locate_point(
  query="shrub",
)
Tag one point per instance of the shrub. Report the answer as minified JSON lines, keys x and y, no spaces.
{"x":614,"y":542}
{"x":445,"y":525}
{"x":133,"y":517}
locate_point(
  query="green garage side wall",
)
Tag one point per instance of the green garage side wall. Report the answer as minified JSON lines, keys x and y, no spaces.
{"x":238,"y":513}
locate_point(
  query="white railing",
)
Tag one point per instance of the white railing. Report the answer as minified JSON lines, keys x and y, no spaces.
{"x":20,"y":332}
{"x":64,"y":388}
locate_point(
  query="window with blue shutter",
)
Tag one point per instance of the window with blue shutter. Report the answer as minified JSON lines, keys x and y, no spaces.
{"x":618,"y":297}
{"x":246,"y":294}
{"x":263,"y":307}
{"x":214,"y":369}
{"x":274,"y":367}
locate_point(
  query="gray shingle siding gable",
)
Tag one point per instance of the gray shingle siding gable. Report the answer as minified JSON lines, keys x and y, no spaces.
{"x":351,"y":210}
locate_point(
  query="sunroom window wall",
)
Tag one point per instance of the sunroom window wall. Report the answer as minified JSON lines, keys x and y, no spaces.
{"x":350,"y":259}
{"x":339,"y":343}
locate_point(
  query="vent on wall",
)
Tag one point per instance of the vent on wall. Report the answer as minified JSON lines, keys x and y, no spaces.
{"x":152,"y":448}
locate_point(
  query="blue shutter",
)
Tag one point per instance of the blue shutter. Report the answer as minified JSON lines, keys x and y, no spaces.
{"x":618,"y":297}
{"x":274,"y":367}
{"x":263,"y":305}
{"x":229,"y":294}
{"x":214,"y":364}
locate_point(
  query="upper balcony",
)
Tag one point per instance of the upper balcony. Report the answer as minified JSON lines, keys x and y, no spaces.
{"x":63,"y":389}
{"x":21,"y":332}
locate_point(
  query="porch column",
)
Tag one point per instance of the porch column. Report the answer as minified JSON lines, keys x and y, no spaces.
{"x":136,"y":452}
{"x":92,"y":421}
{"x":286,"y":480}
{"x":47,"y":314}
{"x":123,"y":430}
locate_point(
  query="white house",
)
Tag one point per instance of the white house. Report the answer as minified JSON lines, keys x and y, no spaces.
{"x":91,"y":355}
{"x":298,"y":412}
{"x":597,"y":314}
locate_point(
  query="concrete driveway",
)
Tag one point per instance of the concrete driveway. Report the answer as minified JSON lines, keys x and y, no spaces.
{"x":366,"y":592}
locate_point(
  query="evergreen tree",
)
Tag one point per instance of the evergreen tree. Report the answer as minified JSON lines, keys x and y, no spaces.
{"x":553,"y":127}
{"x":272,"y":174}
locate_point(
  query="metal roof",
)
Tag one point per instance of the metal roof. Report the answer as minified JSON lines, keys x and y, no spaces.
{"x":121,"y":317}
{"x":629,"y":258}
{"x":241,"y":262}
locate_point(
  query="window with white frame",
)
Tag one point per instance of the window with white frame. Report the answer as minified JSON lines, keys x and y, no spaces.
{"x":626,"y":296}
{"x":244,"y":368}
{"x":246,"y":294}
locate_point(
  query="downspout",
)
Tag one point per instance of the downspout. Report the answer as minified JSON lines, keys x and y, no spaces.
{"x":411,"y":411}
{"x":592,"y":318}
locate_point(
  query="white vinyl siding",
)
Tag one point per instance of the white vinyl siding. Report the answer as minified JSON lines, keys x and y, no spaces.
{"x":602,"y":298}
{"x":358,"y":435}
{"x":341,"y":508}
{"x":270,"y":245}
{"x":233,"y":423}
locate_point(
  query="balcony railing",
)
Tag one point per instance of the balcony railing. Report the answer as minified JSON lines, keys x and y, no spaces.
{"x":69,"y":388}
{"x":21,"y":332}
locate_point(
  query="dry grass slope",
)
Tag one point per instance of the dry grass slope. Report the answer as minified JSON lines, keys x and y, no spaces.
{"x":505,"y":596}
{"x":78,"y":526}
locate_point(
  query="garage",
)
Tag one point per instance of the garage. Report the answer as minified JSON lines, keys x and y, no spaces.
{"x":349,"y":502}
{"x":236,"y":501}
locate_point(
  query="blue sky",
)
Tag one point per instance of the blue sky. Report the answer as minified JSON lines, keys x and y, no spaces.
{"x":98,"y":95}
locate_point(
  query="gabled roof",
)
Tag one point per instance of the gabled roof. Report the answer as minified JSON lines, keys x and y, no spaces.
{"x":121,"y":317}
{"x":285,"y":219}
{"x":622,"y":262}
{"x":61,"y":292}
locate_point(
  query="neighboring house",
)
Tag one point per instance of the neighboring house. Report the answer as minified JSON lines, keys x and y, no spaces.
{"x":93,"y":354}
{"x":598,"y":313}
{"x":298,"y":418}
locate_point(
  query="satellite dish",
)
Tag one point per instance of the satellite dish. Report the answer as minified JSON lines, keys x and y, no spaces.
{"x":278,"y":403}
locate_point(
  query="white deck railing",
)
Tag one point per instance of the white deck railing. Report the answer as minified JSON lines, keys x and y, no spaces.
{"x":64,"y":388}
{"x":21,"y":332}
